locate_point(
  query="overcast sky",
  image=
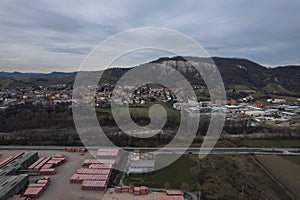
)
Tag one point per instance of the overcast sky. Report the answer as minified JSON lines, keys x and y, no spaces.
{"x":45,"y":36}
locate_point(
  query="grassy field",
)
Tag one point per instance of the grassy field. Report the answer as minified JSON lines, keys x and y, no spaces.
{"x":234,"y":176}
{"x":217,"y":177}
{"x":294,"y":159}
{"x":178,"y":175}
{"x":220,"y":143}
{"x":103,"y":110}
{"x":286,"y":172}
{"x":143,"y":109}
{"x":272,"y":143}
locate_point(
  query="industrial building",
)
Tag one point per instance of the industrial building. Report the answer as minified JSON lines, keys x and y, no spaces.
{"x":11,"y":185}
{"x":141,"y":163}
{"x":19,"y":163}
{"x":11,"y":181}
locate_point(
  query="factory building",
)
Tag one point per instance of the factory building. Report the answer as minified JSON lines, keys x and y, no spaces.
{"x":11,"y":181}
{"x":19,"y":163}
{"x":11,"y":185}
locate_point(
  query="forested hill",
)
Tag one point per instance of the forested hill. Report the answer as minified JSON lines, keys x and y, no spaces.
{"x":239,"y":74}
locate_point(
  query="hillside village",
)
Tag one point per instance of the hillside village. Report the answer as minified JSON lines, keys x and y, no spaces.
{"x":279,"y":112}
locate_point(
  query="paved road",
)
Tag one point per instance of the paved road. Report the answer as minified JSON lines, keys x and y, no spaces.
{"x":193,"y":150}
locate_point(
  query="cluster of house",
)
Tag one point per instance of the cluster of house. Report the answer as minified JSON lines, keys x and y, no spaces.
{"x":132,"y":95}
{"x":272,"y":111}
{"x":276,"y":111}
{"x":62,"y":94}
{"x":45,"y":96}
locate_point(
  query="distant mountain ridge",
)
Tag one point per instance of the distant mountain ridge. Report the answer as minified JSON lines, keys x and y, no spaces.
{"x":36,"y":75}
{"x":237,"y":73}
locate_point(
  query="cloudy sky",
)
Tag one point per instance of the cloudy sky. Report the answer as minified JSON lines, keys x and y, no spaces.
{"x":45,"y":36}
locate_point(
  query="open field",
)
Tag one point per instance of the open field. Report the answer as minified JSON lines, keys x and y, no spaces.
{"x":286,"y":172}
{"x":234,"y":177}
{"x":272,"y":143}
{"x":220,"y":143}
{"x":217,"y":176}
{"x":292,"y":158}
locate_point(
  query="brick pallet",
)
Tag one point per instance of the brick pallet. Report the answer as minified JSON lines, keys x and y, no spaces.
{"x":31,"y":167}
{"x":165,"y":197}
{"x":101,"y":166}
{"x":92,"y":171}
{"x":48,"y":171}
{"x":94,"y":185}
{"x":79,"y":178}
{"x":18,"y":197}
{"x":6,"y":161}
{"x":34,"y":190}
{"x":174,"y":193}
{"x":41,"y":164}
{"x":47,"y":166}
{"x":33,"y":193}
{"x":88,"y":162}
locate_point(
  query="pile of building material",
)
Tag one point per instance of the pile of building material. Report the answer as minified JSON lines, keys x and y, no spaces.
{"x":35,"y":190}
{"x":18,"y":197}
{"x":79,"y":178}
{"x":101,"y":166}
{"x":107,"y":154}
{"x":88,"y":162}
{"x":174,"y":193}
{"x":46,"y":165}
{"x":170,"y":195}
{"x":94,"y":185}
{"x":6,"y":161}
{"x":80,"y":150}
{"x":165,"y":197}
{"x":95,"y":173}
{"x":132,"y":190}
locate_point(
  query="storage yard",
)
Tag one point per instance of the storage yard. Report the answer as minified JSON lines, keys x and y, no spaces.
{"x":60,"y":180}
{"x":95,"y":173}
{"x":68,"y":174}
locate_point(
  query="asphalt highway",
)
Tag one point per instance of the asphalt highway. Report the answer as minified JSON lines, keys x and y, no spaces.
{"x":191,"y":150}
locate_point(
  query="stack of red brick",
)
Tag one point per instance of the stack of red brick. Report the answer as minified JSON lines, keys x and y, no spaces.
{"x":18,"y":197}
{"x":132,"y":190}
{"x":94,"y":185}
{"x":88,"y":162}
{"x":79,"y":178}
{"x":107,"y":154}
{"x":170,"y":195}
{"x":95,"y":173}
{"x":46,"y":165}
{"x":7,"y":160}
{"x":101,"y":166}
{"x":165,"y":197}
{"x":35,"y":190}
{"x":80,"y":150}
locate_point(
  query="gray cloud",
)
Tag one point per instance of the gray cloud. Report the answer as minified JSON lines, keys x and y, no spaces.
{"x":83,"y":51}
{"x":56,"y":35}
